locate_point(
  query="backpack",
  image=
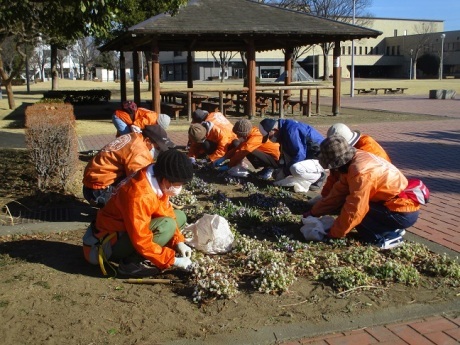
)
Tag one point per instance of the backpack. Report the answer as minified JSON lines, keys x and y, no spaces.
{"x":417,"y":191}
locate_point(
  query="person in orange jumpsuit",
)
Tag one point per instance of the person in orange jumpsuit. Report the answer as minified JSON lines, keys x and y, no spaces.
{"x":138,"y":226}
{"x":208,"y":141}
{"x":217,"y":118}
{"x":133,"y":119}
{"x":368,"y":194}
{"x":249,"y":144}
{"x":120,"y":158}
{"x":357,"y":140}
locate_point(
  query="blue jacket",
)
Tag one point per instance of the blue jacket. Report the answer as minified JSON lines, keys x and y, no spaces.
{"x":298,"y":141}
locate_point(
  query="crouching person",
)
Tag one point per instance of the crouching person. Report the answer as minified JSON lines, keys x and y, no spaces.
{"x":138,"y":226}
{"x":367,"y":195}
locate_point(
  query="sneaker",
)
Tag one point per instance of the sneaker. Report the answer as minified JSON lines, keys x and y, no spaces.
{"x":138,"y":269}
{"x":401,"y":232}
{"x":319,"y":182}
{"x":391,"y":241}
{"x":265,"y":173}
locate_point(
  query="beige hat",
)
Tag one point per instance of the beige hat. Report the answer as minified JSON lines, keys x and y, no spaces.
{"x":197,"y":132}
{"x":339,"y":128}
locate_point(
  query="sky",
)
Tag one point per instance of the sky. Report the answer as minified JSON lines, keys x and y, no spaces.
{"x":447,"y":10}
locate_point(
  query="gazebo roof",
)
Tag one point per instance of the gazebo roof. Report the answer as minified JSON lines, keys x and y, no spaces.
{"x":215,"y":25}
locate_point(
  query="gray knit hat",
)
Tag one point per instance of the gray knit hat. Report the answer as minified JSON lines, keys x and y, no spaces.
{"x":163,"y":121}
{"x":242,"y":128}
{"x":335,"y":152}
{"x":199,"y":115}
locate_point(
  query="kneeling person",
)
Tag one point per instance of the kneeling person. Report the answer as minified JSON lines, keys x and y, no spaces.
{"x":138,"y":226}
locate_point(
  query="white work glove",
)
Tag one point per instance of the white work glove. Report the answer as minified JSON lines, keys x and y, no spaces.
{"x":136,"y":129}
{"x":182,"y":263}
{"x":192,"y":160}
{"x":184,"y":249}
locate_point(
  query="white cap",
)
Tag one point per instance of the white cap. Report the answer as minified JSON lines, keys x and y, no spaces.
{"x":340,"y":129}
{"x":163,"y":121}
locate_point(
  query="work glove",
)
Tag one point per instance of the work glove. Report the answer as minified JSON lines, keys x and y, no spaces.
{"x":183,"y":263}
{"x":192,"y":160}
{"x":223,"y":168}
{"x":218,"y":162}
{"x":136,"y":129}
{"x":184,"y":249}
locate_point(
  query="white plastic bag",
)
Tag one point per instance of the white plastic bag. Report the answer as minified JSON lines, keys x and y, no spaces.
{"x":211,"y":234}
{"x":239,"y":170}
{"x":312,"y":229}
{"x":327,"y":222}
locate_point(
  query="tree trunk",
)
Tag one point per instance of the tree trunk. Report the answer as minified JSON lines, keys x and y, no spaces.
{"x":9,"y":92}
{"x":414,"y":70}
{"x":54,"y":70}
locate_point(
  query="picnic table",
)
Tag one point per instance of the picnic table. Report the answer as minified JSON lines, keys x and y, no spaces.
{"x":386,"y":90}
{"x":172,"y":102}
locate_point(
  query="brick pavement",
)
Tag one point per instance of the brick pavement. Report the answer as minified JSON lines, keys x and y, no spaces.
{"x":428,"y":150}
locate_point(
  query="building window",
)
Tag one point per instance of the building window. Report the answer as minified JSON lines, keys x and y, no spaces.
{"x":349,"y":50}
{"x":354,"y":50}
{"x":366,"y":50}
{"x":393,"y":50}
{"x":343,"y":50}
{"x":360,"y":50}
{"x":396,"y":33}
{"x":388,"y":50}
{"x":177,"y":53}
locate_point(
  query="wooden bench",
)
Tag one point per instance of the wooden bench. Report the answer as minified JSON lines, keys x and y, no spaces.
{"x":214,"y":106}
{"x":242,"y":103}
{"x":366,"y":91}
{"x":171,"y":109}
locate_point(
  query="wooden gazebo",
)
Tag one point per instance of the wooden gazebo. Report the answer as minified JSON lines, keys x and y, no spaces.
{"x":233,"y":25}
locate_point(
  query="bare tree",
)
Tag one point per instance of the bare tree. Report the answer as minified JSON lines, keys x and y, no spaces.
{"x":340,"y":10}
{"x":423,"y":31}
{"x":223,"y":59}
{"x":87,"y":53}
{"x":61,"y":57}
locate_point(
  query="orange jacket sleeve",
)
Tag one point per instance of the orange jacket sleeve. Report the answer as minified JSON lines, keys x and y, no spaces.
{"x":124,"y":116}
{"x":222,"y":138}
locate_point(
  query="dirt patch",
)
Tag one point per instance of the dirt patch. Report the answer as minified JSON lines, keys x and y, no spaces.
{"x":49,"y":294}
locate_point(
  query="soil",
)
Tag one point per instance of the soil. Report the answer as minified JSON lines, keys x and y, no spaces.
{"x":50,"y":295}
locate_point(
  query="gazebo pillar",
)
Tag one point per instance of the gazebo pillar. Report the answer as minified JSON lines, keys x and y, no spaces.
{"x":156,"y":98}
{"x":189,"y":70}
{"x":136,"y":81}
{"x":251,"y":102}
{"x":287,"y":68}
{"x":122,"y":77}
{"x":336,"y":79}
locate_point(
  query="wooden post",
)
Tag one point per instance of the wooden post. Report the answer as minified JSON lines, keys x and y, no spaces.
{"x":251,"y":100}
{"x":122,"y":77}
{"x":189,"y":105}
{"x":189,"y":70}
{"x":288,"y":71}
{"x":308,"y":110}
{"x":337,"y":76}
{"x":156,"y":97}
{"x":317,"y":101}
{"x":136,"y":82}
{"x":280,"y":105}
{"x":221,"y":101}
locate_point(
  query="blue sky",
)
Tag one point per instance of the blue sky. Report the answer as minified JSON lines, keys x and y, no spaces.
{"x":447,"y":10}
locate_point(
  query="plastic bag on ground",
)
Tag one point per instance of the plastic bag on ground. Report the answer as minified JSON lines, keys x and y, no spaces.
{"x":312,"y":229}
{"x":211,"y":234}
{"x":240,"y":170}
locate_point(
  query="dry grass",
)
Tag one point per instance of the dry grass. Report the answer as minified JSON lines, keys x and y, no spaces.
{"x":103,"y":125}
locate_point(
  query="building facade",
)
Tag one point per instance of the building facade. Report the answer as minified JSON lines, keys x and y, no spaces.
{"x":394,"y":54}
